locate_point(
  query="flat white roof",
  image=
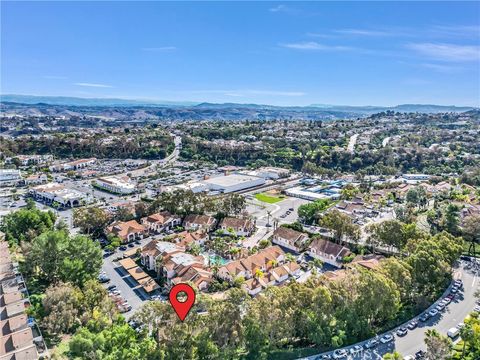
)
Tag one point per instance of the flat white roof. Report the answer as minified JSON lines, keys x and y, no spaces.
{"x":230,"y":180}
{"x":114,"y":181}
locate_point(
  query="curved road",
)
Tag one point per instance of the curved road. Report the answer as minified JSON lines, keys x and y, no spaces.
{"x":451,"y":316}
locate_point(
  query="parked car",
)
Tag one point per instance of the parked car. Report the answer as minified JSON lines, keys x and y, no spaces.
{"x":107,"y":253}
{"x":325,"y":357}
{"x":340,"y":354}
{"x":454,"y":290}
{"x":412,"y":325}
{"x":371,"y":344}
{"x":138,"y":242}
{"x":385,"y":339}
{"x":112,"y":287}
{"x":447,"y":300}
{"x":453,"y":333}
{"x":440,"y":306}
{"x":103,"y":279}
{"x":402,"y":331}
{"x":420,"y":354}
{"x":131,"y":245}
{"x":123,"y":248}
{"x":433,"y":312}
{"x":424,"y":317}
{"x":356,"y":349}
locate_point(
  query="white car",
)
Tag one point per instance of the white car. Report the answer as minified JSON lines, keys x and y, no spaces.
{"x":340,"y":354}
{"x":356,"y":349}
{"x":386,"y":339}
{"x":433,"y":312}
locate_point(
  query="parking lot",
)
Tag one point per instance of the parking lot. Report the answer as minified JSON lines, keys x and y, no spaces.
{"x":127,"y":287}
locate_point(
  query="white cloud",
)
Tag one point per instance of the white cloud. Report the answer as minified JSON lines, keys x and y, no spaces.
{"x":440,"y":68}
{"x":362,"y":32}
{"x":313,"y":45}
{"x":160,"y":49}
{"x":278,"y":8}
{"x":93,"y":85}
{"x":446,"y":52}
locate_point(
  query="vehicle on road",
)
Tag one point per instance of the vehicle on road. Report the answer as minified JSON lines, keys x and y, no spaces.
{"x":412,"y":325}
{"x":340,"y":354}
{"x":402,"y":331}
{"x":385,"y":339}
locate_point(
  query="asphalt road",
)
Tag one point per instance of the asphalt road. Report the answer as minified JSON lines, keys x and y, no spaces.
{"x":451,"y":316}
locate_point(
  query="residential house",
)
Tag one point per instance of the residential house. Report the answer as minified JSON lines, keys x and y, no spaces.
{"x":290,"y":239}
{"x":162,"y":221}
{"x":186,"y":238}
{"x":197,"y":222}
{"x":198,"y":276}
{"x":369,"y":262}
{"x":127,"y":231}
{"x":328,"y":252}
{"x":240,"y":227}
{"x":272,"y":276}
{"x":247,"y":267}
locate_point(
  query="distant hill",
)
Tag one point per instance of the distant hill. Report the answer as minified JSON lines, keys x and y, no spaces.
{"x":121,"y":109}
{"x":75,"y":101}
{"x":423,"y":108}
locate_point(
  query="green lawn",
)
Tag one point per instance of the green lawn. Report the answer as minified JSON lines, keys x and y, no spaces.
{"x":268,"y":198}
{"x":466,"y":245}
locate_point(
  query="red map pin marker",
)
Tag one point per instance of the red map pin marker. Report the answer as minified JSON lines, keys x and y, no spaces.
{"x":182,"y":308}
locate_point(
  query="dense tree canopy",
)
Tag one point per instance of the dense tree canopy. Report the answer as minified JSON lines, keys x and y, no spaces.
{"x":26,"y":224}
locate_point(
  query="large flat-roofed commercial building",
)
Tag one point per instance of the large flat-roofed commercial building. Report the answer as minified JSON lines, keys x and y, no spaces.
{"x":57,"y":193}
{"x":234,"y":182}
{"x":118,"y":185}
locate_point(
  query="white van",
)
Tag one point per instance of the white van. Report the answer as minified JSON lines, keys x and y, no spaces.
{"x":453,"y":333}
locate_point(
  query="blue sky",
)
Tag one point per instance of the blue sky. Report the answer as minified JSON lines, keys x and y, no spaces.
{"x":281,"y":53}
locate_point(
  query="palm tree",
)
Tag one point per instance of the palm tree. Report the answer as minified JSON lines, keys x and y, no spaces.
{"x":272,"y":263}
{"x":258,"y":274}
{"x":289,"y":257}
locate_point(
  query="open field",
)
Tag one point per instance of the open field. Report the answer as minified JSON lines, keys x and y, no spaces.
{"x":268,"y":198}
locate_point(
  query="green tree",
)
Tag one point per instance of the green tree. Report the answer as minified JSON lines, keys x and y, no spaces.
{"x":26,"y":224}
{"x":341,"y":225}
{"x":438,"y":346}
{"x":91,"y":220}
{"x":55,"y":256}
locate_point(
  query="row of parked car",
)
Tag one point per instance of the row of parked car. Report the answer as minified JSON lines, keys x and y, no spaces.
{"x":122,"y":305}
{"x":402,"y":331}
